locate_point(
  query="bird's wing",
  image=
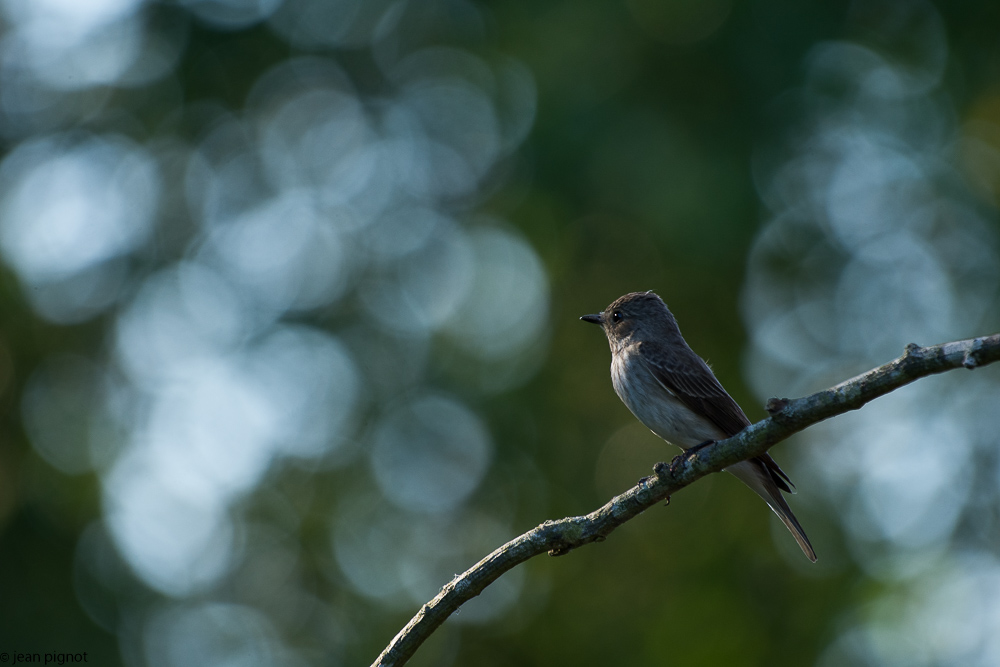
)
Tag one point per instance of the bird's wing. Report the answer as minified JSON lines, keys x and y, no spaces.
{"x":693,"y":383}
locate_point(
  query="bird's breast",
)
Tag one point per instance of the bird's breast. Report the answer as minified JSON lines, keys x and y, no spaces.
{"x":655,"y":406}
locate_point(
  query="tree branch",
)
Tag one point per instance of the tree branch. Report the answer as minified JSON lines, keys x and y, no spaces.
{"x":787,"y":417}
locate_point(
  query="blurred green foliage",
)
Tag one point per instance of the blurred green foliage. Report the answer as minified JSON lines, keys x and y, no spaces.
{"x":637,"y":175}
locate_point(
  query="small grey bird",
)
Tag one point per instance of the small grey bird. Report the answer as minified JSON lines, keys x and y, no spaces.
{"x":676,"y":395}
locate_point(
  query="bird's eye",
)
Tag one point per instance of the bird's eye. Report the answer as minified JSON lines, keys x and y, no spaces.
{"x":616,"y":316}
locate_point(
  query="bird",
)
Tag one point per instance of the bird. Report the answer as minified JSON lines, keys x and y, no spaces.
{"x":674,"y":393}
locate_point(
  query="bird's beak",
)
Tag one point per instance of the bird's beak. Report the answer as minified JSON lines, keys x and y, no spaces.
{"x":593,"y":319}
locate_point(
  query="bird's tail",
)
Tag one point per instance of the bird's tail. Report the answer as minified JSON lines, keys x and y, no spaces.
{"x":757,"y":475}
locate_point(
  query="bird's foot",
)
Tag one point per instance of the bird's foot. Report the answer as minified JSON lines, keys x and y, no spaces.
{"x":691,"y":451}
{"x":689,"y":454}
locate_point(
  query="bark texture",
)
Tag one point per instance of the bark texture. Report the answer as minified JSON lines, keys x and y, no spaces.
{"x":787,"y":416}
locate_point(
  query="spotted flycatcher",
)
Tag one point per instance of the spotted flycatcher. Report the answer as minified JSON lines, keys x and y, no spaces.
{"x":676,"y":395}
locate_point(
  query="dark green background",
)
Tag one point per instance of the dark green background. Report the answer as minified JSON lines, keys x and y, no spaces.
{"x":637,"y":175}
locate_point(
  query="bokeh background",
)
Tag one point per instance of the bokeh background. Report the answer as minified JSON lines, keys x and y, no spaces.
{"x":288,"y":324}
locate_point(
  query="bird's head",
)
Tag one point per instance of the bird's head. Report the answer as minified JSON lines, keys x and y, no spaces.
{"x":638,"y":315}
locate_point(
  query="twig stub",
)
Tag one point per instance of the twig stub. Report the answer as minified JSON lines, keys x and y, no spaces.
{"x":775,"y":405}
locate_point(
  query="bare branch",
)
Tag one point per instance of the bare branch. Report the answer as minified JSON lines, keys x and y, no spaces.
{"x":787,"y":417}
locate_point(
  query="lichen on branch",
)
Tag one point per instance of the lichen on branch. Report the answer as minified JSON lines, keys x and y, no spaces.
{"x":787,"y":417}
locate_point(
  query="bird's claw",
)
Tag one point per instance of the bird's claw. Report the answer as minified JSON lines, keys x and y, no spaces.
{"x":688,"y":454}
